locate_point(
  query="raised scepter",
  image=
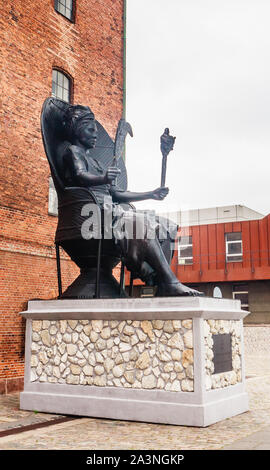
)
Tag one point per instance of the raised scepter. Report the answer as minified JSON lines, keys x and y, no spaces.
{"x":166,"y":145}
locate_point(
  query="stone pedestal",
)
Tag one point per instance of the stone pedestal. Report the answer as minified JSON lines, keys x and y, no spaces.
{"x":152,"y":360}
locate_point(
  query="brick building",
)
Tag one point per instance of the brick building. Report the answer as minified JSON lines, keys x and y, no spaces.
{"x":75,"y":51}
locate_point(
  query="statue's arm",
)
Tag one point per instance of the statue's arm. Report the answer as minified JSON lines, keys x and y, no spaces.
{"x":81,"y":176}
{"x":129,"y":196}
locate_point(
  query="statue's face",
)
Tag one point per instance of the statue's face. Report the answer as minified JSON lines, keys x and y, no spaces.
{"x":87,"y":134}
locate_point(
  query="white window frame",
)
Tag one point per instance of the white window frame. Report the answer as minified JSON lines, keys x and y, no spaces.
{"x":241,"y":292}
{"x":229,"y":256}
{"x":61,"y":85}
{"x":182,"y":259}
{"x":65,"y":8}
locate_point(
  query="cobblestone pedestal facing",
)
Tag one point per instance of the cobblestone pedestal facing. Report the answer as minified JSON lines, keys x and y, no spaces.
{"x":135,"y":359}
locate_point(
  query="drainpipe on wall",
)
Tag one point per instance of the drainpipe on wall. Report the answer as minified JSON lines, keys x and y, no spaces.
{"x":123,"y":281}
{"x":124,"y":65}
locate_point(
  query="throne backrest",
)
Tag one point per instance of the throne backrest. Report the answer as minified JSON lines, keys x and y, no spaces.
{"x":54,"y":139}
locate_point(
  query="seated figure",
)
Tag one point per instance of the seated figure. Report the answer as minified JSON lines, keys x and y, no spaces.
{"x":83,"y":172}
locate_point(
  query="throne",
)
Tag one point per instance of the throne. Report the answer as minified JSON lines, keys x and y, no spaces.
{"x":96,"y":258}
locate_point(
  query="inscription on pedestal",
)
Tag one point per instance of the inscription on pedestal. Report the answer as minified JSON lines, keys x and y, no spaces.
{"x":222,"y":349}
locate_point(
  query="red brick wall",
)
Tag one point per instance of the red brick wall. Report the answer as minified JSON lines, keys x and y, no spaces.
{"x":34,"y":38}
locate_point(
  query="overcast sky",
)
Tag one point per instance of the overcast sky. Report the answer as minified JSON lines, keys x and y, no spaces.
{"x":201,"y":68}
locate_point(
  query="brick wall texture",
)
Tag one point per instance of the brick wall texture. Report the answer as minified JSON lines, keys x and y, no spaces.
{"x":34,"y":39}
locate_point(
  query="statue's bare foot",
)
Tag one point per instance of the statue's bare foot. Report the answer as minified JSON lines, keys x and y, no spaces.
{"x":177,"y":289}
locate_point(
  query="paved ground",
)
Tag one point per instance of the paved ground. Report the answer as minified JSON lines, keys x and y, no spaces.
{"x":250,"y":430}
{"x":12,"y":417}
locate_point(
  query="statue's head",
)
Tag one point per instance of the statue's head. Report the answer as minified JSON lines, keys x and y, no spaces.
{"x":80,"y":124}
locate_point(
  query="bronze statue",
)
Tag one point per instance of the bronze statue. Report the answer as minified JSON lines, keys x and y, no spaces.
{"x":88,"y":177}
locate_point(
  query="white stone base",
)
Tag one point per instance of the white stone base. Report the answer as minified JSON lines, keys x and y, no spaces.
{"x":143,"y":406}
{"x":198,"y":405}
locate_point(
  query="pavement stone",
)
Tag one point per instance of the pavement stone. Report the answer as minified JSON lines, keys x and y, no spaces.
{"x":250,"y":430}
{"x":12,"y":417}
{"x":257,"y":441}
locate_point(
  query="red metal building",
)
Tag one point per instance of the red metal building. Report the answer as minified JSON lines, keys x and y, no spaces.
{"x":233,"y":257}
{"x":223,"y":252}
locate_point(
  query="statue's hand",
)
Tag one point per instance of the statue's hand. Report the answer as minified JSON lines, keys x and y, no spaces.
{"x":111,"y":174}
{"x":160,"y":193}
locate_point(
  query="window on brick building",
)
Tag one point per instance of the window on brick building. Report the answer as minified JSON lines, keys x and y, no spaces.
{"x":65,"y":7}
{"x":234,"y":249}
{"x":61,"y":86}
{"x":185,"y":250}
{"x":53,"y":201}
{"x":240,"y":292}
